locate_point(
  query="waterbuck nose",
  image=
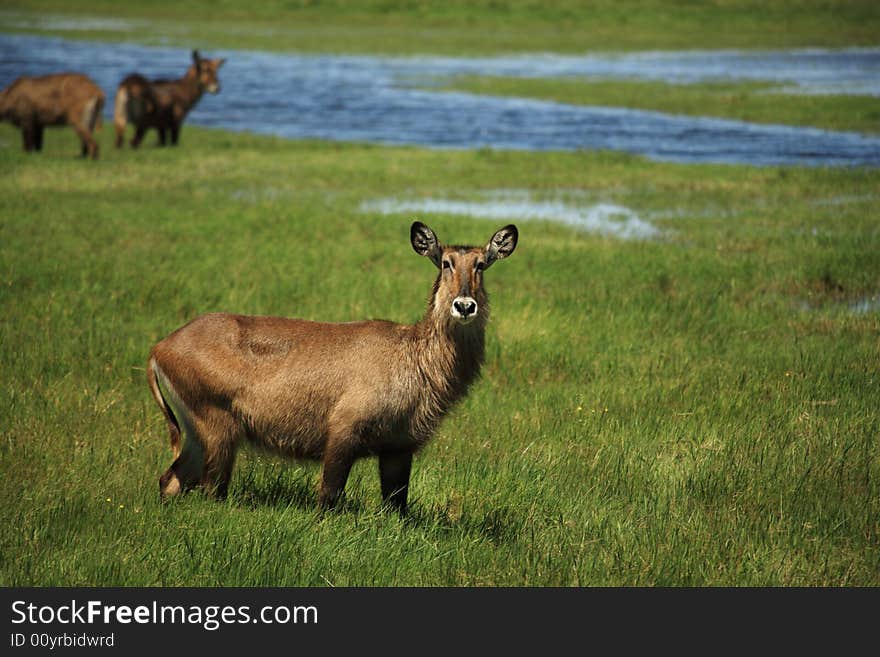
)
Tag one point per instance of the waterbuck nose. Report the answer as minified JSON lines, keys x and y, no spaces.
{"x":465,"y":306}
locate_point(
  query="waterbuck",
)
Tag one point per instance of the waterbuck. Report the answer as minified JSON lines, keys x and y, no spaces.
{"x":162,"y":104}
{"x":31,"y":103}
{"x":325,"y":391}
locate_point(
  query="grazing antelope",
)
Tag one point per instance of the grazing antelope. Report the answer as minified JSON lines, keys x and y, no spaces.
{"x":31,"y":103}
{"x":325,"y":391}
{"x":163,"y":104}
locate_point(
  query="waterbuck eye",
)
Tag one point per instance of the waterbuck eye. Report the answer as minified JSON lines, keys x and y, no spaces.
{"x":446,"y":264}
{"x":480,"y":266}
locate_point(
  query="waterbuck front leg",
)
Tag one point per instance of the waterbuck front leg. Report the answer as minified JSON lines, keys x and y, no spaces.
{"x":337,"y":462}
{"x":394,"y":469}
{"x":162,"y":133}
{"x":176,"y":122}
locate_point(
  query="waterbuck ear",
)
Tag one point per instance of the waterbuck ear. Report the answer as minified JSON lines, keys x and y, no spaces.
{"x":425,"y":242}
{"x":502,"y":244}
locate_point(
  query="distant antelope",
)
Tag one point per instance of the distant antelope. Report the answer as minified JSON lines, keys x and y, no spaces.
{"x":325,"y":391}
{"x":163,"y":104}
{"x":31,"y":103}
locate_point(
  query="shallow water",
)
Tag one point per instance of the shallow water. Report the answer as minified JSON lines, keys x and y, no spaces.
{"x":374,"y":99}
{"x":866,"y":305}
{"x":604,"y":218}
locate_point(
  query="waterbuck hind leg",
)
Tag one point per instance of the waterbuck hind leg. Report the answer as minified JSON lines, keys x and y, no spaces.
{"x":203,"y":444}
{"x":183,"y":475}
{"x":206,"y":457}
{"x":220,"y":459}
{"x":394,"y":470}
{"x":89,"y":145}
{"x":188,"y":469}
{"x":139,"y":132}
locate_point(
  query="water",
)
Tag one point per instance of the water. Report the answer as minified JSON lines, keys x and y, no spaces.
{"x":375,"y":99}
{"x":866,"y":305}
{"x":607,"y":219}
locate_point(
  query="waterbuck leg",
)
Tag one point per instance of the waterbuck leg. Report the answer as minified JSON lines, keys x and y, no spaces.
{"x":338,"y":460}
{"x":211,"y":445}
{"x":89,"y":145}
{"x":139,"y":133}
{"x":188,"y":468}
{"x":175,"y":133}
{"x":218,"y":469}
{"x":394,"y":469}
{"x":161,"y":136}
{"x":186,"y":471}
{"x":27,"y":136}
{"x":38,"y":137}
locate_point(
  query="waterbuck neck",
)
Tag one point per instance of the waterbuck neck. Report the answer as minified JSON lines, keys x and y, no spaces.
{"x":190,"y":87}
{"x":449,"y":354}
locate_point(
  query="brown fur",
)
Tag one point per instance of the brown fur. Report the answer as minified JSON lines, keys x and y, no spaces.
{"x":323,"y":391}
{"x":31,"y":103}
{"x":162,"y":104}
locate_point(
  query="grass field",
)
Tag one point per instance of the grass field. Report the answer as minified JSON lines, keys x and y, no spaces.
{"x":695,"y":410}
{"x":746,"y":101}
{"x":698,"y":409}
{"x":455,"y":27}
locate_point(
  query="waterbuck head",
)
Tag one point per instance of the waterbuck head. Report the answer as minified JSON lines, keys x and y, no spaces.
{"x":458,"y":292}
{"x":205,"y":71}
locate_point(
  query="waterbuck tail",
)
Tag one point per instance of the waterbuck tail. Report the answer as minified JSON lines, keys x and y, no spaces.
{"x":154,"y":373}
{"x":120,"y":114}
{"x":95,"y":112}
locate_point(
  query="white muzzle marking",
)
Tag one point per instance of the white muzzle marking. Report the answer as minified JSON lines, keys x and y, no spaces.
{"x":464,"y":309}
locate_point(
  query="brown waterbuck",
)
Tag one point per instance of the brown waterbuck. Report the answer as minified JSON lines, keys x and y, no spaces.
{"x":31,"y":103}
{"x":325,"y":391}
{"x":162,"y":104}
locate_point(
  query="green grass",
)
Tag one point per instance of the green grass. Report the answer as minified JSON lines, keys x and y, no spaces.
{"x":695,"y":410}
{"x":746,"y":101}
{"x":459,"y":27}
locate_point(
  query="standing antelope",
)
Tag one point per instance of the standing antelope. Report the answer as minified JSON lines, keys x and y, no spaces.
{"x":163,"y":104}
{"x":325,"y":391}
{"x":31,"y":103}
